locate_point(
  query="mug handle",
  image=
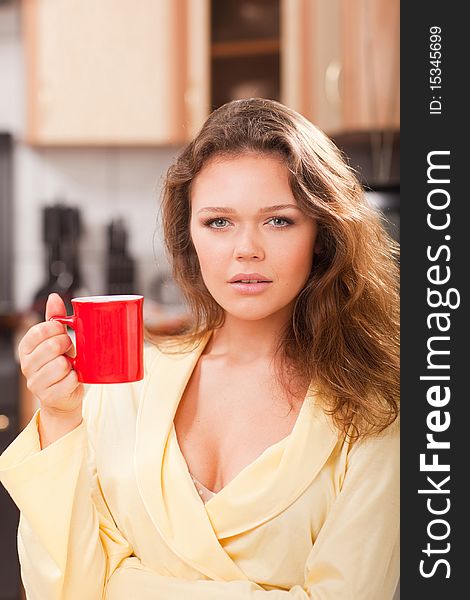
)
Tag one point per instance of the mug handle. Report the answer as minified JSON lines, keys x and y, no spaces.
{"x":70,"y":321}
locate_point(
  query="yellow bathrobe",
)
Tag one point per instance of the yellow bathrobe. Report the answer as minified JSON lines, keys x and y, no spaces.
{"x":110,"y":510}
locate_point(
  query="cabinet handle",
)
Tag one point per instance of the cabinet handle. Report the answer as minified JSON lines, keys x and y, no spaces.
{"x":4,"y":423}
{"x":332,"y":83}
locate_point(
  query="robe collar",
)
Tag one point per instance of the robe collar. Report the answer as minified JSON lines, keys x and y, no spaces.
{"x":262,"y":490}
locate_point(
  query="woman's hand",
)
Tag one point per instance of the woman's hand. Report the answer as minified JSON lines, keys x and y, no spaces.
{"x":49,"y":374}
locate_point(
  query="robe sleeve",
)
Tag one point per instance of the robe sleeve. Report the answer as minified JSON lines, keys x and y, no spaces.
{"x":68,"y":543}
{"x":354,"y":557}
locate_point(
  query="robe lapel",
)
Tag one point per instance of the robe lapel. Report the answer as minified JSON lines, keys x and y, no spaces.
{"x":261,"y":491}
{"x":278,"y":477}
{"x":167,"y":492}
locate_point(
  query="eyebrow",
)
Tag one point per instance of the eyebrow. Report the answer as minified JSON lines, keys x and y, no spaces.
{"x":225,"y":210}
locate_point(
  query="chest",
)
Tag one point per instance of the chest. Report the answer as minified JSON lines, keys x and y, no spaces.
{"x":227,"y":418}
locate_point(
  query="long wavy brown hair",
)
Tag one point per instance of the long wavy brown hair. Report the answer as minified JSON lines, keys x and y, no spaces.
{"x":344,"y":331}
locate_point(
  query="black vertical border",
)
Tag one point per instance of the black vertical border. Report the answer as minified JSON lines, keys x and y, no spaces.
{"x":421,"y":133}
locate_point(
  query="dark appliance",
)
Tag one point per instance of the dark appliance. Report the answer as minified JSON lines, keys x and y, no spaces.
{"x":61,"y":235}
{"x":120,"y":267}
{"x":9,"y":374}
{"x":375,"y":156}
{"x":6,"y":222}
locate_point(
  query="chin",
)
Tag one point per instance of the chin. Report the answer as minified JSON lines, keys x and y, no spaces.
{"x":245,"y":316}
{"x":245,"y":312}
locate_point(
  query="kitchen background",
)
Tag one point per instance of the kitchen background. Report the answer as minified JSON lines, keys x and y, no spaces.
{"x":96,"y":99}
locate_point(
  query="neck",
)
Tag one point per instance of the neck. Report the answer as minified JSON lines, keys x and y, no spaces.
{"x":241,"y":341}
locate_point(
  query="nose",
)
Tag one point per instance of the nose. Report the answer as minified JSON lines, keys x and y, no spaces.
{"x":248,"y":246}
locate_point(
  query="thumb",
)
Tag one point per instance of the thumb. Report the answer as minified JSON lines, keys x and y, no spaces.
{"x":55,"y":307}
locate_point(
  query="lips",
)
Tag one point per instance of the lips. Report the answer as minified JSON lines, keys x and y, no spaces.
{"x":248,"y":284}
{"x":249,"y":278}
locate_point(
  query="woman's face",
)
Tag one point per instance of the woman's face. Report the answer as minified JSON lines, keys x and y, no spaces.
{"x":245,"y":224}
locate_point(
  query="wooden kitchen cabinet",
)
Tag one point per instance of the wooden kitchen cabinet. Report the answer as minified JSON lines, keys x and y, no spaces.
{"x":370,"y":33}
{"x":107,"y":72}
{"x":335,"y":61}
{"x":150,"y":72}
{"x":343,"y":63}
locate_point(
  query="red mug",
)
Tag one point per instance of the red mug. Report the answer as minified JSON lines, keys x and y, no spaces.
{"x":109,"y":338}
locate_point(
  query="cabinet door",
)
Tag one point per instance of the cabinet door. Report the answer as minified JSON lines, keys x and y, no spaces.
{"x":298,"y":49}
{"x":340,"y":62}
{"x":371,"y":64}
{"x":107,"y":72}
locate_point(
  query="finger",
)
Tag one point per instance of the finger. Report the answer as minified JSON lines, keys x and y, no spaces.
{"x":37,"y":334}
{"x":64,"y":388}
{"x":55,"y":307}
{"x":46,"y":351}
{"x":49,"y":374}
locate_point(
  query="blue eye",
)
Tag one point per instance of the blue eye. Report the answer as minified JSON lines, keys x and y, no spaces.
{"x":218,"y":223}
{"x":286,"y":222}
{"x":210,"y":223}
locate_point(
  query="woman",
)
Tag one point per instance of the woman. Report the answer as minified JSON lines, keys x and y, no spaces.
{"x":259,"y":455}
